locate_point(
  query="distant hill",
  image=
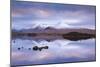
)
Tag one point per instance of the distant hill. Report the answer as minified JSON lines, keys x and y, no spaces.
{"x":52,"y":33}
{"x":51,"y":30}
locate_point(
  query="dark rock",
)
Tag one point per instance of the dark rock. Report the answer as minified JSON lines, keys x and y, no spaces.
{"x":40,"y":49}
{"x":35,"y":48}
{"x":29,"y":48}
{"x":19,"y":48}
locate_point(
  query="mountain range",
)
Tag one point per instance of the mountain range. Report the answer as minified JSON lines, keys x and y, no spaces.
{"x":51,"y":30}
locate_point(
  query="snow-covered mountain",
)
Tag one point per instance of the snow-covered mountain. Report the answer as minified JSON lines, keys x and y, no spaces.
{"x":56,"y":31}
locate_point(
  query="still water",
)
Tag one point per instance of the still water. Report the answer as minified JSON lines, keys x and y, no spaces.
{"x":59,"y":51}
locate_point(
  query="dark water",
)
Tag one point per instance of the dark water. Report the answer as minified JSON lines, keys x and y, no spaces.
{"x":59,"y":50}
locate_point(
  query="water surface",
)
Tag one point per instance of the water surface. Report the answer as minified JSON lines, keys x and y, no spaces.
{"x":59,"y":51}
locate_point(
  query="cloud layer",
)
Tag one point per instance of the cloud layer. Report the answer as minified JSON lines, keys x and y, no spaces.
{"x":32,"y":14}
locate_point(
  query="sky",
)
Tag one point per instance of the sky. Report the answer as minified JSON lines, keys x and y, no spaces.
{"x":29,"y":15}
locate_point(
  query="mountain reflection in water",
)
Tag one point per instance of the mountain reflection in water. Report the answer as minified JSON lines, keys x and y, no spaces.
{"x":29,"y":50}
